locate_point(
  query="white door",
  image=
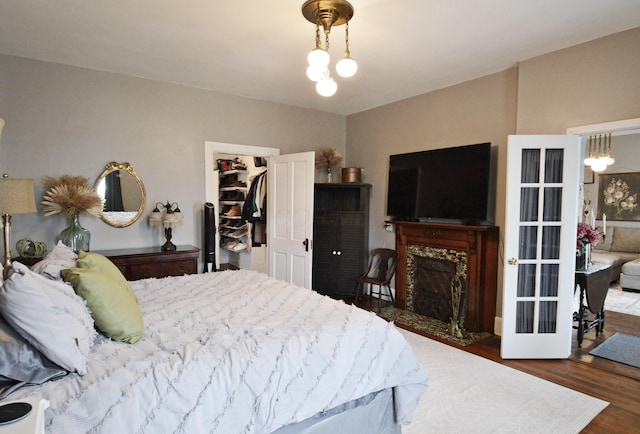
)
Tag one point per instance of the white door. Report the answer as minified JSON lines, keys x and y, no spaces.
{"x":543,"y":175}
{"x":290,"y":217}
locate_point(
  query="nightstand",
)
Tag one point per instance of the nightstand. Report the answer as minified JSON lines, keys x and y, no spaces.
{"x":141,"y":263}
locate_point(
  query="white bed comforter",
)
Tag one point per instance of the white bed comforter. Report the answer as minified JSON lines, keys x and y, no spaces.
{"x":232,"y":352}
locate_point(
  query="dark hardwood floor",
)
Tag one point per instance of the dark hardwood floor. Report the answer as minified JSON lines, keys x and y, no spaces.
{"x":614,"y":382}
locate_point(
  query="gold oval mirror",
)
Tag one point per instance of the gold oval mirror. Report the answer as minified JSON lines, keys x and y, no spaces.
{"x":122,"y":193}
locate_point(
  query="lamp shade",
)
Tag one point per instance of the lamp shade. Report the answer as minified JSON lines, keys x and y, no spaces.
{"x":16,"y":196}
{"x":155,"y":218}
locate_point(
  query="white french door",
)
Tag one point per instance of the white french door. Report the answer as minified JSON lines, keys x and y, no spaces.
{"x":540,"y":241}
{"x":290,"y":217}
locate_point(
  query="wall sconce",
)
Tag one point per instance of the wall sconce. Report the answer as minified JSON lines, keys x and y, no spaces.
{"x":16,"y":197}
{"x":599,"y":152}
{"x":166,"y":215}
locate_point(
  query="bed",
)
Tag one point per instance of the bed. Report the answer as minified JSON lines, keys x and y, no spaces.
{"x":236,"y":352}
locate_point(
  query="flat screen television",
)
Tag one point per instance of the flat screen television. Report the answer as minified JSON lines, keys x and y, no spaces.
{"x":448,"y":185}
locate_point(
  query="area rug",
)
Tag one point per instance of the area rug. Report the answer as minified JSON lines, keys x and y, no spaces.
{"x":622,"y":301}
{"x":620,"y":347}
{"x":469,"y":394}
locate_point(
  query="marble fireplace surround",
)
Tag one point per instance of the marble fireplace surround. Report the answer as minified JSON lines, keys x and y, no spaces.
{"x":436,"y":285}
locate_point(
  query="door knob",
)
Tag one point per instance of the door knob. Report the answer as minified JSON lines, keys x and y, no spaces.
{"x":512,"y":261}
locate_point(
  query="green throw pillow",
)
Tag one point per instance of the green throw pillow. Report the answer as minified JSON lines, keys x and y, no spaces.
{"x":113,"y":304}
{"x":98,"y":262}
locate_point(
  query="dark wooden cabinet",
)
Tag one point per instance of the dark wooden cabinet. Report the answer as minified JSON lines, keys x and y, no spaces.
{"x":340,"y":237}
{"x":141,"y":263}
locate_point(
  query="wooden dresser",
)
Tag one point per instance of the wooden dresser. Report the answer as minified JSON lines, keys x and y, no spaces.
{"x":141,"y":263}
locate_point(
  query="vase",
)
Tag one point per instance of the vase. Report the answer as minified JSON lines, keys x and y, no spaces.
{"x":583,"y":257}
{"x":75,"y":236}
{"x":329,"y":176}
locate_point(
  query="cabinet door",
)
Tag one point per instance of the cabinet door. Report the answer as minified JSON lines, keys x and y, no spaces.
{"x":325,"y":243}
{"x":351,"y":247}
{"x":339,"y":252}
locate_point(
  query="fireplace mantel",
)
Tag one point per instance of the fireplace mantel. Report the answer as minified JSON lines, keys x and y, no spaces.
{"x":479,"y":243}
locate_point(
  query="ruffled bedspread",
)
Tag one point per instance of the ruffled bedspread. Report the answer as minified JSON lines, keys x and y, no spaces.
{"x":232,"y":352}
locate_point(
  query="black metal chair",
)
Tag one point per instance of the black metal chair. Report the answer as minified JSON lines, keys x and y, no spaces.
{"x":382,"y":267}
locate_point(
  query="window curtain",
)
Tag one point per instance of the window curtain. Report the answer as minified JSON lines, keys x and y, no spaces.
{"x":545,"y":276}
{"x":113,"y":192}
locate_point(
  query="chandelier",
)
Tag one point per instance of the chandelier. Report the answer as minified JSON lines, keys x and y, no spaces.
{"x":328,"y":13}
{"x":599,"y":152}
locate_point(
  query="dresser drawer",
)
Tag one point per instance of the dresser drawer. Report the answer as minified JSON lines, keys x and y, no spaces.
{"x":143,"y":263}
{"x":161,"y":269}
{"x":436,"y":236}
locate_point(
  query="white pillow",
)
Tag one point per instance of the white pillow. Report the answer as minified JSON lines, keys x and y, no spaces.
{"x":60,"y":258}
{"x":50,"y":316}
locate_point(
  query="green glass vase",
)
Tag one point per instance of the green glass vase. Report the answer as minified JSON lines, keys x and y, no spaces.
{"x":75,"y":236}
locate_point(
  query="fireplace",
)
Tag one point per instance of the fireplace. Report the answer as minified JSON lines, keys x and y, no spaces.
{"x":436,"y":285}
{"x":449,"y":273}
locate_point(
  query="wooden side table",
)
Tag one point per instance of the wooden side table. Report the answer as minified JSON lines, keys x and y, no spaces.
{"x":145,"y":262}
{"x":594,"y":284}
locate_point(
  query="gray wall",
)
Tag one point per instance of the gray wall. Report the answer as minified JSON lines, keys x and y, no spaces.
{"x":586,"y":84}
{"x":67,"y":120}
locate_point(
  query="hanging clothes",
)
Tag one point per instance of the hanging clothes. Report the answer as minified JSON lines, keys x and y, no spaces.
{"x":254,"y":209}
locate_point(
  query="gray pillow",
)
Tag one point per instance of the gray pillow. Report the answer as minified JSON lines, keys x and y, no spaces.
{"x":21,"y":363}
{"x":50,"y":316}
{"x":626,"y":240}
{"x":58,"y":259}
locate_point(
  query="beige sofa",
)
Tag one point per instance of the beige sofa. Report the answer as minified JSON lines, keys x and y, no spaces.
{"x":621,"y":249}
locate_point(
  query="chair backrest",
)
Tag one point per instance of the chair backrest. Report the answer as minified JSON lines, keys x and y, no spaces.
{"x":382,"y":265}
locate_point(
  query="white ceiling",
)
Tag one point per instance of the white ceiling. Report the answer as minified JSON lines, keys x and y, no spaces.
{"x":258,"y":48}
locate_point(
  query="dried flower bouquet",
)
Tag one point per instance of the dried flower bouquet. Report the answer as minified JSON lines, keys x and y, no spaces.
{"x":328,"y":157}
{"x":71,"y":195}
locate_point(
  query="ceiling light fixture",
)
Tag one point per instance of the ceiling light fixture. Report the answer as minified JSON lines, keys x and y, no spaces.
{"x":599,"y":152}
{"x":328,"y":13}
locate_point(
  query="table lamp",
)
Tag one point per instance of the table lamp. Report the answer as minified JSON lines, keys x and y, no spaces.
{"x":166,"y":215}
{"x":16,"y":197}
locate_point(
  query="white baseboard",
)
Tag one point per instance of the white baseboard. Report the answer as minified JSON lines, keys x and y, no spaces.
{"x":497,"y":326}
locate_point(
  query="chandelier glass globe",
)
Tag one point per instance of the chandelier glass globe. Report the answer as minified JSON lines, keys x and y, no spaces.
{"x":607,"y":159}
{"x":326,"y":87}
{"x":318,"y":58}
{"x":346,"y":67}
{"x":598,"y":166}
{"x":315,"y":74}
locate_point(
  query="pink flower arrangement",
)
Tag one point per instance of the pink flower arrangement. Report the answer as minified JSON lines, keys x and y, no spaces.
{"x":587,"y":234}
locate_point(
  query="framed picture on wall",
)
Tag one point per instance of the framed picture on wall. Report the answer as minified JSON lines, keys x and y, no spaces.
{"x":589,"y":177}
{"x":618,"y":196}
